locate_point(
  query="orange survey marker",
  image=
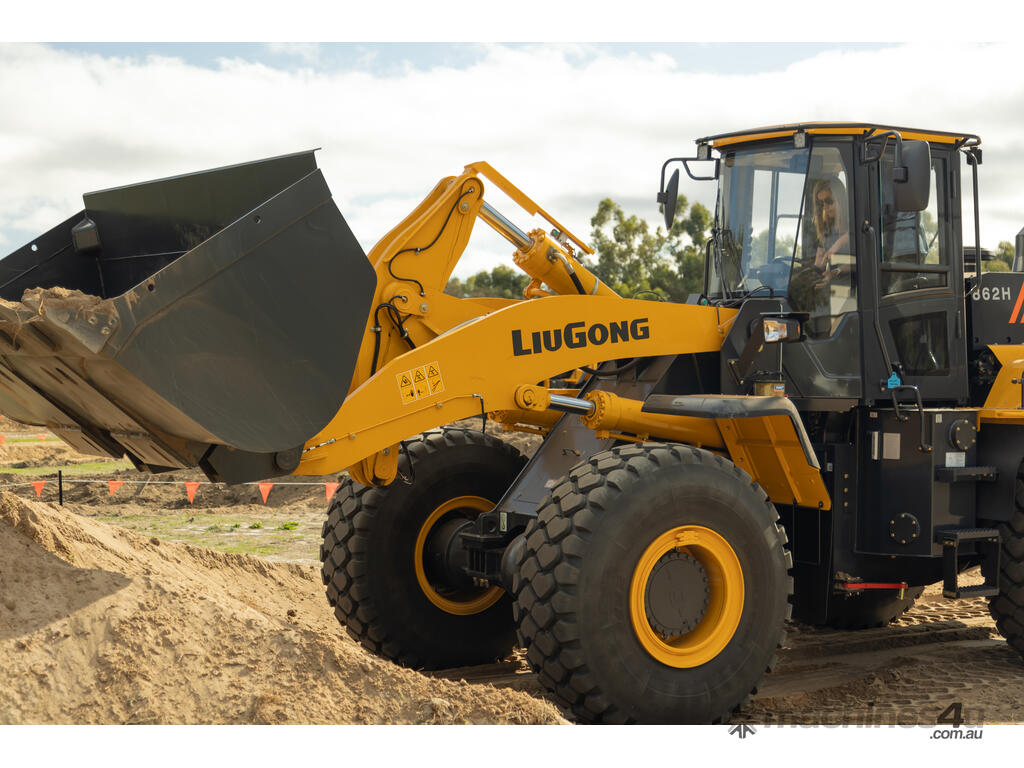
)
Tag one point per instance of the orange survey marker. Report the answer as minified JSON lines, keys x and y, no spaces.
{"x":114,"y":485}
{"x":38,"y":485}
{"x":265,"y":490}
{"x":331,"y":488}
{"x":190,"y":489}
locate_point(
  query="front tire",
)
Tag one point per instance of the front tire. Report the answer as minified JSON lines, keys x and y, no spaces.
{"x":380,"y":582}
{"x":653,"y":587}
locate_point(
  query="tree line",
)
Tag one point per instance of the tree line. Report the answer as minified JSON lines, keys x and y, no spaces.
{"x":640,"y":262}
{"x":630,"y":256}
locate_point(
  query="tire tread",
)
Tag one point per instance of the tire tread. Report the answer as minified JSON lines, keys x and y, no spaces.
{"x":555,"y":543}
{"x":352,"y":518}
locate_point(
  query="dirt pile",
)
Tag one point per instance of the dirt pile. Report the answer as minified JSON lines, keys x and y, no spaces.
{"x":49,"y":454}
{"x":99,"y":624}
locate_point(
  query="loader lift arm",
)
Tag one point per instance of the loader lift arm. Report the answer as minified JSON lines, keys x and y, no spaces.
{"x":413,"y":263}
{"x":478,"y":367}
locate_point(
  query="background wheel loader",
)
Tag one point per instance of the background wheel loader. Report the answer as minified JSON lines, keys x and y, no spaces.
{"x":833,"y":424}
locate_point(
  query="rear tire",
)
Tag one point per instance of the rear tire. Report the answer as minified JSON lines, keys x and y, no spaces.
{"x":653,"y":587}
{"x":382,"y":590}
{"x":1007,"y":608}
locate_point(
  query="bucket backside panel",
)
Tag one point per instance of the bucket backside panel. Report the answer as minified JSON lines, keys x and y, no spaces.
{"x":224,"y":307}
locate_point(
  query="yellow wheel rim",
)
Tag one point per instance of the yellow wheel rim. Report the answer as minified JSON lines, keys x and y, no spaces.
{"x":464,"y":602}
{"x":725,"y":597}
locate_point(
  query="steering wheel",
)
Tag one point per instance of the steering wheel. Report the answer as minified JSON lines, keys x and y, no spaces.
{"x":775,"y":273}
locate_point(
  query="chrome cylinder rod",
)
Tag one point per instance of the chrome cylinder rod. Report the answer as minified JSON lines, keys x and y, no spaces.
{"x":504,"y":227}
{"x":571,"y":405}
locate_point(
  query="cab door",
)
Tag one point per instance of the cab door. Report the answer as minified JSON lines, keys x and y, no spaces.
{"x":917,"y":289}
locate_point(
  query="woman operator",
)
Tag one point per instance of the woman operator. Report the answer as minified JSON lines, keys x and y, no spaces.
{"x":811,"y":288}
{"x":831,"y":226}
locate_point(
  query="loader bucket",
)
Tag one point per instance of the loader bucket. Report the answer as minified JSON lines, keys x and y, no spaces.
{"x":211,"y":320}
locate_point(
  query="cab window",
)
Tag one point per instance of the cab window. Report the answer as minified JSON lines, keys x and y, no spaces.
{"x":915,"y":253}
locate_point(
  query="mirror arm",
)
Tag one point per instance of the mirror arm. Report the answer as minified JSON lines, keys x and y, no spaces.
{"x":899,"y":171}
{"x":685,"y":161}
{"x":712,"y":177}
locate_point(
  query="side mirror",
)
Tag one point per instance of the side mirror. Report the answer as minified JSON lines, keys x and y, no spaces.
{"x":704,"y":169}
{"x":911,"y":182}
{"x":669,"y":197}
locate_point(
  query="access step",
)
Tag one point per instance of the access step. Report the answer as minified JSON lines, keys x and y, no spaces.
{"x":987,"y":543}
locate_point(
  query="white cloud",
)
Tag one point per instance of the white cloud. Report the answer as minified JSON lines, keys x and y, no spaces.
{"x":307,"y":52}
{"x":567,"y":123}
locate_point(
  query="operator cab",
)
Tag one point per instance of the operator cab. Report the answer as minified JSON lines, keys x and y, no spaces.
{"x":856,"y":227}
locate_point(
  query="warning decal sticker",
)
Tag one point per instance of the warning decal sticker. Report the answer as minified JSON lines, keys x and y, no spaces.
{"x":419,"y":383}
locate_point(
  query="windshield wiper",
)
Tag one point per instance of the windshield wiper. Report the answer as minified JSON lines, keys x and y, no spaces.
{"x":717,"y":247}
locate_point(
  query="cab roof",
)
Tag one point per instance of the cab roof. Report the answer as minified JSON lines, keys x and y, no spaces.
{"x":837,"y":129}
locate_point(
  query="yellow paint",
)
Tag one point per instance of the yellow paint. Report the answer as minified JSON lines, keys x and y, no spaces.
{"x":1003,"y":404}
{"x":622,"y":415}
{"x":379,"y":468}
{"x":413,"y":263}
{"x":540,"y":263}
{"x":768,"y":448}
{"x":535,"y":421}
{"x":782,"y":131}
{"x":725,"y":599}
{"x":524,"y":202}
{"x":411,"y":276}
{"x":481,"y":371}
{"x":460,"y":602}
{"x":441,"y":374}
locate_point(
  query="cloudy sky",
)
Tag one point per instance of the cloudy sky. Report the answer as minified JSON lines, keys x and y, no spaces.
{"x":568,"y":123}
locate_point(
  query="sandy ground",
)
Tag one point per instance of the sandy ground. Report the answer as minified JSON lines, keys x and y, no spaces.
{"x":99,"y":624}
{"x":940,"y":653}
{"x":139,"y":607}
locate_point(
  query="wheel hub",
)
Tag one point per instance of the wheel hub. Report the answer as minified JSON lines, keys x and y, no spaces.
{"x":444,"y":556}
{"x":437,"y":556}
{"x":677,"y":594}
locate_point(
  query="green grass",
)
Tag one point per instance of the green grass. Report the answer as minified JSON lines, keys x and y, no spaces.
{"x":225,"y":533}
{"x":250,"y":548}
{"x":50,"y":471}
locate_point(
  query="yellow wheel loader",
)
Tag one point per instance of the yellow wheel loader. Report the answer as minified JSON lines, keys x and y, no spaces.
{"x":834,"y":423}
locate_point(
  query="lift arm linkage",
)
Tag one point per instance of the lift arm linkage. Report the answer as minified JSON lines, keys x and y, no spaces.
{"x":476,"y":367}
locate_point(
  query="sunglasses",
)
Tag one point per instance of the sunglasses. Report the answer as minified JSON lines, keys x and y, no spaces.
{"x":826,"y":201}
